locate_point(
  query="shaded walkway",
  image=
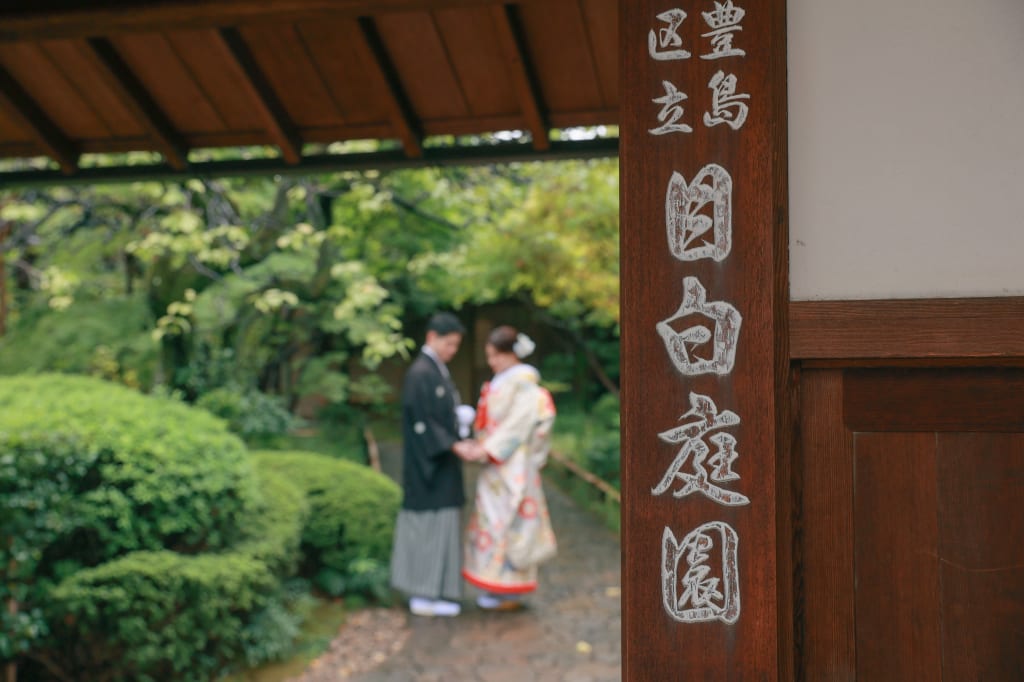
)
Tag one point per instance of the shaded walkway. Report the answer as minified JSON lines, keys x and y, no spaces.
{"x":570,"y":632}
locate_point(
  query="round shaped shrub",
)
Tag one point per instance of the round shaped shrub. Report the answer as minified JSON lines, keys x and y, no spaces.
{"x":167,"y":616}
{"x":90,"y":471}
{"x":352,"y":511}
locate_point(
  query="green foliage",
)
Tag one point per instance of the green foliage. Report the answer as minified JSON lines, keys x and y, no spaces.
{"x":249,"y":413}
{"x":90,"y":471}
{"x":592,"y":437}
{"x":555,"y":241}
{"x":300,"y":286}
{"x":347,"y":541}
{"x":163,"y":615}
{"x":108,"y":338}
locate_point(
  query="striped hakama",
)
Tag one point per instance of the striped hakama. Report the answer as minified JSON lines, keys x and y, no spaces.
{"x":427,"y":555}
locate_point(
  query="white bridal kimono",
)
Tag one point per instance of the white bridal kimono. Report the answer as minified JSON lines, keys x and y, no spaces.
{"x":509,"y":532}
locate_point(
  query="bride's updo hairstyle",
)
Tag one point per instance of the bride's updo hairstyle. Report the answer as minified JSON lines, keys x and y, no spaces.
{"x":505,"y":339}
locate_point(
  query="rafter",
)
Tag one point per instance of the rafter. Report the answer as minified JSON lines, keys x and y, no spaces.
{"x":510,"y":39}
{"x":276,"y":119}
{"x":21,"y":107}
{"x":133,"y":95}
{"x":400,"y":109}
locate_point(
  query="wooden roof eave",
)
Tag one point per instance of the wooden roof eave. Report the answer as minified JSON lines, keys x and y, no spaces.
{"x":462,"y":155}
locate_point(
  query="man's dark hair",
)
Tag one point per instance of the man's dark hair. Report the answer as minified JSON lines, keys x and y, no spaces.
{"x":444,"y":324}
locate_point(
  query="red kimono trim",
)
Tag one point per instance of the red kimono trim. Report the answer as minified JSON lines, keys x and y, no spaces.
{"x":498,"y":589}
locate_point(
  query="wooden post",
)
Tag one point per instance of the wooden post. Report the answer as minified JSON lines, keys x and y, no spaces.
{"x":707,"y":551}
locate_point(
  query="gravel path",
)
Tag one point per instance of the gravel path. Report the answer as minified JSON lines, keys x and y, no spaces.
{"x":569,"y":632}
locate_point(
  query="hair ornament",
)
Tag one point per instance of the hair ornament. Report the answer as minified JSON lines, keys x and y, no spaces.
{"x":523,"y":346}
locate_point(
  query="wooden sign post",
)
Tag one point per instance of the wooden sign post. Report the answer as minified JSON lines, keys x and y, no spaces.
{"x":706,"y":494}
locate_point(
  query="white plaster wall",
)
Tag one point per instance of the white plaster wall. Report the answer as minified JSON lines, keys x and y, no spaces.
{"x":906,"y":143}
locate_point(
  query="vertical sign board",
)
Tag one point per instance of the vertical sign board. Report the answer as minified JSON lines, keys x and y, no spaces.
{"x":706,"y":550}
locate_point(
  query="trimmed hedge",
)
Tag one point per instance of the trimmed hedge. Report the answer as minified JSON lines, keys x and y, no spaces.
{"x":91,"y":471}
{"x":352,"y":514}
{"x":152,"y":616}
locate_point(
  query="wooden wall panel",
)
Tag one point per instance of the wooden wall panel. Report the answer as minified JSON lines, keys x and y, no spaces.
{"x":897,"y":568}
{"x":979,"y":399}
{"x":981,"y":487}
{"x":826,"y":615}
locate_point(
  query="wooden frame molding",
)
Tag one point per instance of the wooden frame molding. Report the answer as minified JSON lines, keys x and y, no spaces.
{"x":986,"y":328}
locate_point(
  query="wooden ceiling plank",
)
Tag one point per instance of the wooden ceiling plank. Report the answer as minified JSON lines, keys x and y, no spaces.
{"x":133,"y":95}
{"x":279,"y":124}
{"x":22,"y":108}
{"x":55,"y":19}
{"x":406,"y":125}
{"x":510,"y":39}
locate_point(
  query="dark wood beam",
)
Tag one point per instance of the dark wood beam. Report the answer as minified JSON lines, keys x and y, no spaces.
{"x":511,"y":152}
{"x":406,"y":125}
{"x":22,"y":108}
{"x":276,"y":119}
{"x":133,"y":95}
{"x":907,"y":328}
{"x":513,"y":46}
{"x":82,"y":19}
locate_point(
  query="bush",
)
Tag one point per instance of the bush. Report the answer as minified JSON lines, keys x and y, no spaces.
{"x":248,"y":412}
{"x":167,"y":616}
{"x":347,"y":541}
{"x":108,"y":338}
{"x":91,"y":471}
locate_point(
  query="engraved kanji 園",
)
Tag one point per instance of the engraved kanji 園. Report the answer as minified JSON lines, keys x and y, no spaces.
{"x":708,"y":589}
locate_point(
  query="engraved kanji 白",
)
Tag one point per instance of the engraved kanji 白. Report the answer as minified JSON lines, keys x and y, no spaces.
{"x":684,"y":346}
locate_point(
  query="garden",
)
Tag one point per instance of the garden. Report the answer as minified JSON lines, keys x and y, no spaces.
{"x":195,"y":378}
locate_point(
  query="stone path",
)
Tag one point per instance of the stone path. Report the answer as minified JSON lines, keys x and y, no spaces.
{"x":569,"y":632}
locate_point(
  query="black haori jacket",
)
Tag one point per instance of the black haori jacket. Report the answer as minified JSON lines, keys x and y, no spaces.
{"x":431,"y":472}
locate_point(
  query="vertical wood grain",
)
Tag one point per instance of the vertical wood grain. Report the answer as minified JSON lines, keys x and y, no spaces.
{"x":981,"y":485}
{"x":753,"y":279}
{"x":826,"y":627}
{"x":897,"y":565}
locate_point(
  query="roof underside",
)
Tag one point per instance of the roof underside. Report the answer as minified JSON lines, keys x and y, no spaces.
{"x":294,"y":76}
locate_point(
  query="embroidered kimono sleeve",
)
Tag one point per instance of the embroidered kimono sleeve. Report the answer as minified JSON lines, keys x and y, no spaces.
{"x":514,"y":427}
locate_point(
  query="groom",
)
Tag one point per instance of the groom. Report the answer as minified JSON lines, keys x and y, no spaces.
{"x":426,"y":560}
